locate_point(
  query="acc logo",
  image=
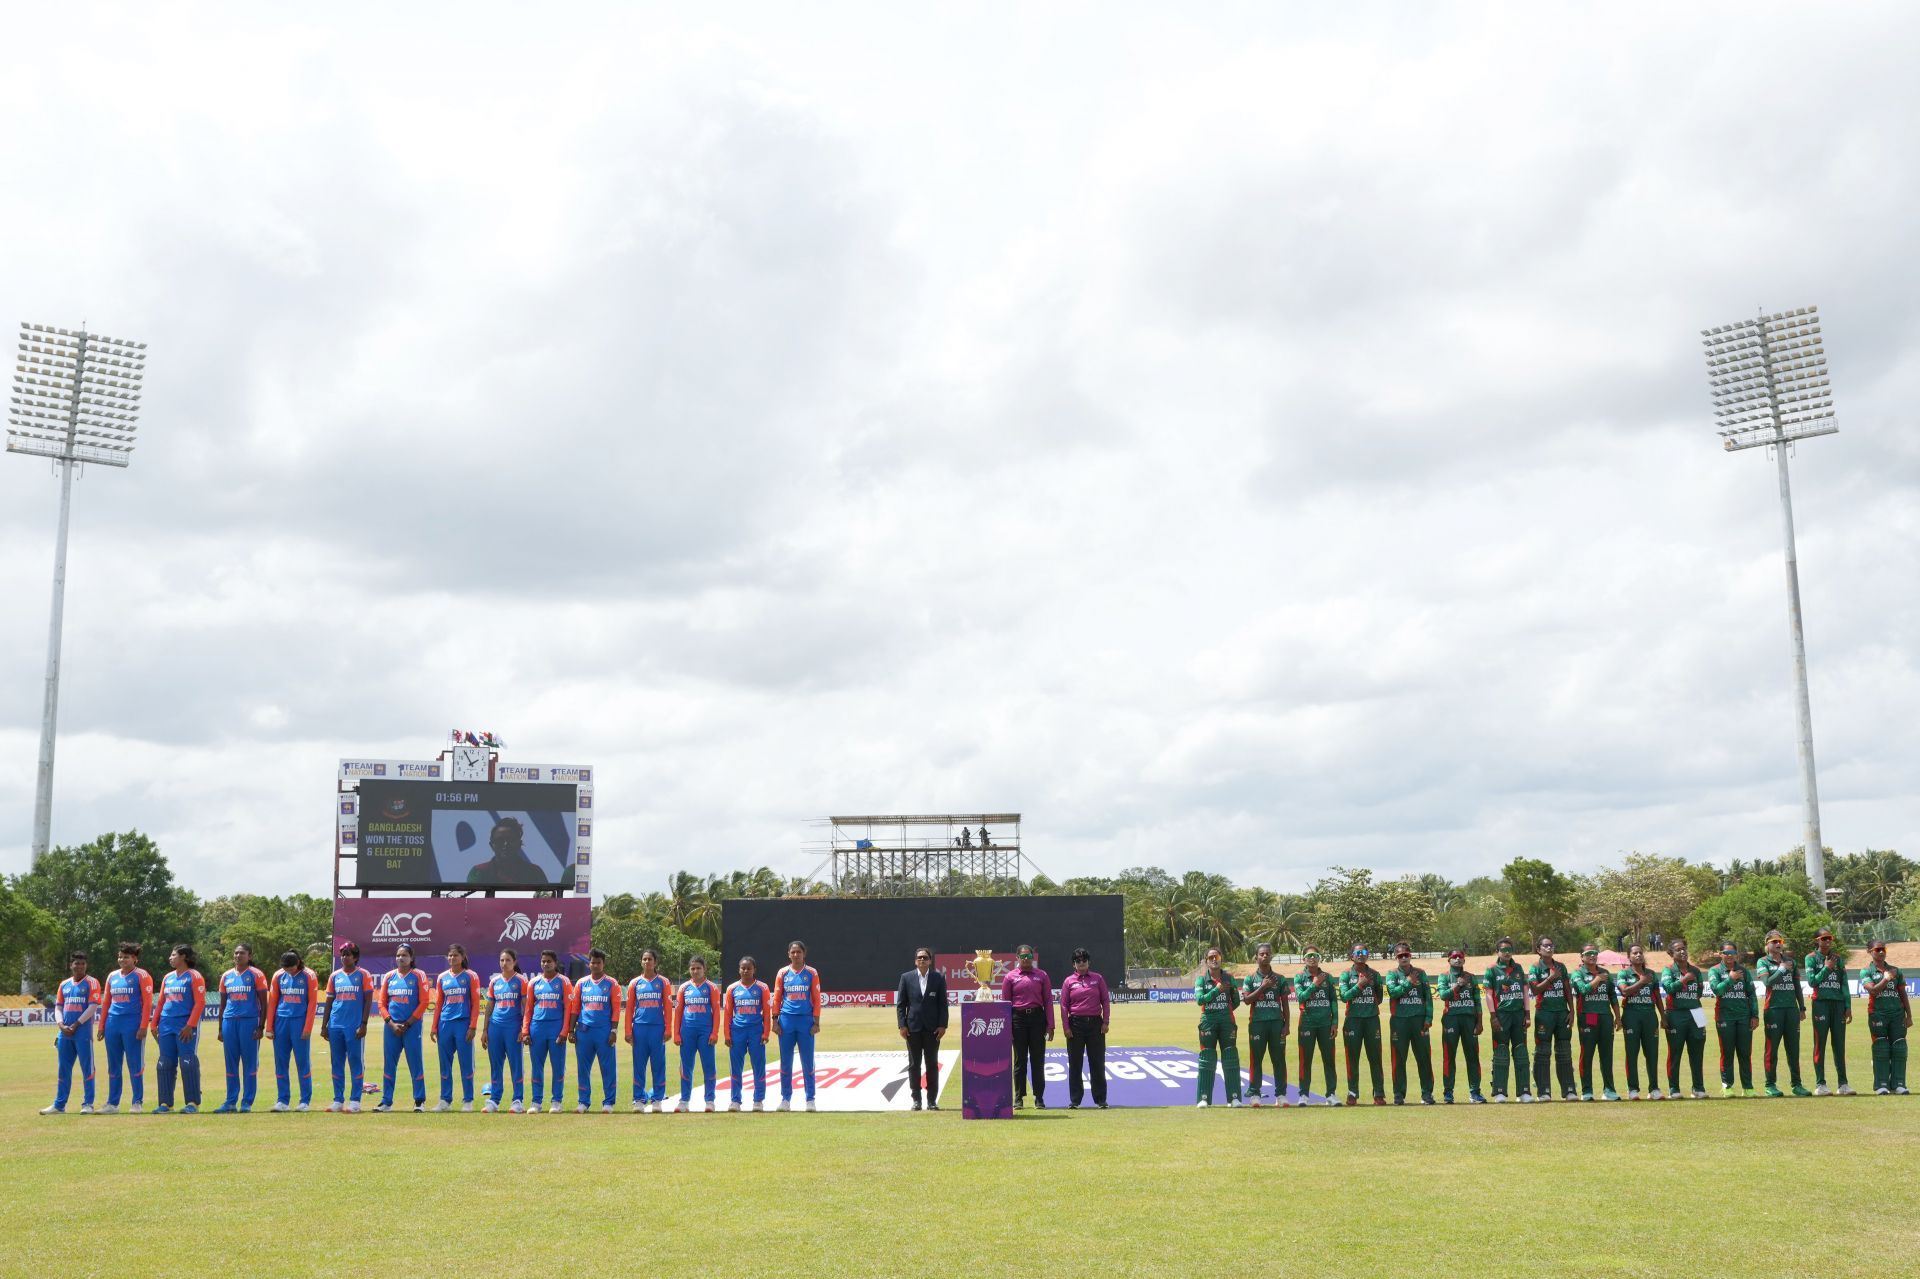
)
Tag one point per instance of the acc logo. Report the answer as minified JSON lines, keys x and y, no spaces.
{"x":362,"y":768}
{"x":518,"y":926}
{"x":400,"y":926}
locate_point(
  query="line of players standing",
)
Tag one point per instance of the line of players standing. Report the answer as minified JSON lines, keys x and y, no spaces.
{"x":521,"y":1015}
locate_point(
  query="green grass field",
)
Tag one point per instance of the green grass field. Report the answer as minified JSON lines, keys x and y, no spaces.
{"x":1798,"y":1187}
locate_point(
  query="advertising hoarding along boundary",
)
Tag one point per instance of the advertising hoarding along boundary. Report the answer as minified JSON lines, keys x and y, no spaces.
{"x":484,"y":925}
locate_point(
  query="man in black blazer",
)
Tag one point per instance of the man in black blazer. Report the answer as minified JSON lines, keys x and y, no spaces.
{"x":921,"y":1008}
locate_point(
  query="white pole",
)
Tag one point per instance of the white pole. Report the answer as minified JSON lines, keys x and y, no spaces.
{"x":50,"y":710}
{"x":1803,"y":706}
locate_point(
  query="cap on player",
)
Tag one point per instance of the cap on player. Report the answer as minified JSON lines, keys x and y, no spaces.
{"x":1456,"y":954}
{"x":1402,"y":951}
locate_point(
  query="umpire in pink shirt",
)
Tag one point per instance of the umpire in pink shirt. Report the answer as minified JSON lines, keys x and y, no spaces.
{"x":1087,"y":1010}
{"x":1027,"y":988}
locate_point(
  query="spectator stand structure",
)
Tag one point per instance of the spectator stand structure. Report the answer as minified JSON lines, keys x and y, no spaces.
{"x":921,"y":854}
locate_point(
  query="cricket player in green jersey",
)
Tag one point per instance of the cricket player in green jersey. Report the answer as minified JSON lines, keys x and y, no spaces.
{"x":1639,"y":989}
{"x":1218,"y":995}
{"x":1459,"y":997}
{"x":1507,"y":992}
{"x":1785,"y":1009}
{"x":1599,"y":1013}
{"x":1265,"y":994}
{"x":1315,"y":991}
{"x":1826,"y":972}
{"x":1684,"y":985}
{"x":1552,"y":1024}
{"x":1736,"y":1015}
{"x":1411,"y":992}
{"x":1889,"y":1018}
{"x":1360,"y":991}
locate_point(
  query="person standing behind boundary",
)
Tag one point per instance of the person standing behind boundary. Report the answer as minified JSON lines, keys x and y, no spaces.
{"x":1315,"y":992}
{"x":1684,"y":987}
{"x":649,"y":1007}
{"x":349,"y":1004}
{"x":1265,"y":993}
{"x":596,"y":1003}
{"x":547,"y":1029}
{"x":1552,"y":1024}
{"x":747,"y":1014}
{"x":1459,"y":998}
{"x":1639,"y":991}
{"x":798,"y":989}
{"x":78,"y":1002}
{"x":695,"y":1028}
{"x":1507,"y":994}
{"x":920,"y":1008}
{"x":176,"y":1030}
{"x":1736,"y":1014}
{"x":1784,"y":1010}
{"x":1218,"y":995}
{"x":290,"y":1004}
{"x":1411,"y":993}
{"x":1826,"y":971}
{"x":1360,"y":992}
{"x":402,"y":994}
{"x":1889,"y":1018}
{"x":1086,"y":1010}
{"x":1030,"y":992}
{"x":1599,"y":1011}
{"x":508,"y":1007}
{"x":456,"y":1020}
{"x":243,"y":998}
{"x":123,"y":1027}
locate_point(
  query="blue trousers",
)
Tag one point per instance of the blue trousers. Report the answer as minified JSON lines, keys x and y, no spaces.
{"x":590,"y":1045}
{"x":288,"y":1042}
{"x":454,"y":1043}
{"x":795,"y":1032}
{"x":503,"y":1049}
{"x":649,"y":1053}
{"x":68,"y":1049}
{"x":242,"y":1052}
{"x":743,"y":1047}
{"x":175,"y":1056}
{"x":693,"y":1044}
{"x":548,"y":1049}
{"x":406,"y":1044}
{"x":349,"y":1056}
{"x":123,"y":1045}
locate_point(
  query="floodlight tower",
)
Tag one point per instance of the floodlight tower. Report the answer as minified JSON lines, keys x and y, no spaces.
{"x":76,"y":396}
{"x":1769,"y":378}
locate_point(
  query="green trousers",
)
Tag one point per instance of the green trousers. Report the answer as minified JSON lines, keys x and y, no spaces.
{"x":1321,"y":1038}
{"x":1218,"y":1044}
{"x":1510,"y":1042}
{"x":1456,"y":1032}
{"x":1889,"y":1033}
{"x":1596,"y":1039}
{"x":1736,"y":1051}
{"x":1783,"y":1034}
{"x":1552,"y":1030}
{"x":1363,"y":1035}
{"x":1829,"y":1027}
{"x":1685,"y":1038}
{"x":1268,"y":1038}
{"x":1411,"y":1033}
{"x":1640,"y":1027}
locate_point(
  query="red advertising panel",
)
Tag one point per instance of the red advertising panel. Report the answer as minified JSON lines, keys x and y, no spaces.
{"x":484,"y":925}
{"x":959,"y":969}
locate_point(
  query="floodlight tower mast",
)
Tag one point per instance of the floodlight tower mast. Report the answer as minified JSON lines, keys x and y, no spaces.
{"x":1770,"y":387}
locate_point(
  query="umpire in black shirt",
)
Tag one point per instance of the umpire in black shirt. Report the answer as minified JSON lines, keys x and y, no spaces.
{"x":921,"y":1007}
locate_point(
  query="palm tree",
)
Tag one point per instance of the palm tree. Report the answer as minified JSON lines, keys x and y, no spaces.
{"x":685,"y":892}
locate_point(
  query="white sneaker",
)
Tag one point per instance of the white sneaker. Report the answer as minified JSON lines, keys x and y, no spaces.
{"x":1202,"y":1104}
{"x":709,"y":1108}
{"x":353,"y":1108}
{"x":682,"y":1107}
{"x":1655,"y":1095}
{"x":580,"y":1109}
{"x":1234,"y":1103}
{"x":280,"y":1108}
{"x":1526,"y":1099}
{"x":1882,"y":1092}
{"x":1498,"y":1099}
{"x":442,"y":1107}
{"x":302,"y":1107}
{"x":1699,"y":1094}
{"x":554,"y":1109}
{"x":109,"y":1109}
{"x":1822,"y":1091}
{"x":490,"y":1108}
{"x":1254,"y":1104}
{"x":810,"y":1107}
{"x":1901,"y":1091}
{"x":384,"y":1108}
{"x":733,"y":1108}
{"x":517,"y":1108}
{"x":61,"y":1110}
{"x":1633,"y":1096}
{"x":784,"y":1106}
{"x":334,"y":1108}
{"x":466,"y":1107}
{"x":86,"y":1110}
{"x":759,"y":1106}
{"x":134,"y":1109}
{"x":1844,"y":1090}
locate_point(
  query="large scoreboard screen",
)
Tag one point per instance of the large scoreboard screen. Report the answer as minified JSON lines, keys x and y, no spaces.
{"x":442,"y":834}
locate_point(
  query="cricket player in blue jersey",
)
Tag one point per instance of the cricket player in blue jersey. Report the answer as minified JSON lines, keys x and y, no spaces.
{"x":176,"y":1030}
{"x":123,"y":1026}
{"x":243,"y":1002}
{"x":78,"y":1004}
{"x":507,"y":1010}
{"x":291,"y":999}
{"x":552,"y":996}
{"x":798,"y":990}
{"x":596,"y":1004}
{"x":455,"y":1022}
{"x":649,"y":1007}
{"x":747,"y":1014}
{"x":696,"y":1025}
{"x":349,"y":1009}
{"x":403,"y":995}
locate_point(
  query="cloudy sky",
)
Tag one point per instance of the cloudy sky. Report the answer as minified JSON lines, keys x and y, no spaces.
{"x":1252,"y":443}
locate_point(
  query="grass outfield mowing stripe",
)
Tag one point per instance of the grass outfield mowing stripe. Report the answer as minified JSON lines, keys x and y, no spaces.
{"x":1646,"y":1189}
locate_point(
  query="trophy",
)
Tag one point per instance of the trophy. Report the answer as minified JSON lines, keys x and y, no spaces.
{"x":983,"y":973}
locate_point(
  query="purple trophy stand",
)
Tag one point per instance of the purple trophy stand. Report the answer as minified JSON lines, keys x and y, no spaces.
{"x":986,"y":1060}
